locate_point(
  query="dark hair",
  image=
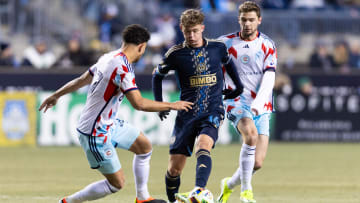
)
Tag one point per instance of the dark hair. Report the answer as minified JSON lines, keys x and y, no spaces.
{"x":249,"y":6}
{"x":135,"y":34}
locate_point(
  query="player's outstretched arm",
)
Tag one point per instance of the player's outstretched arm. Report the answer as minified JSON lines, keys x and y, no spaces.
{"x":143,"y":104}
{"x":71,"y":86}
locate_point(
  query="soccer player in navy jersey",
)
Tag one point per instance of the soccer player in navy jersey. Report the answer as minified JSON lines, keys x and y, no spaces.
{"x":100,"y":132}
{"x":198,"y":68}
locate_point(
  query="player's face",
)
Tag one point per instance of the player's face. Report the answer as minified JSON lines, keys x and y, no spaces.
{"x":141,"y":51}
{"x":249,"y":23}
{"x":193,"y":35}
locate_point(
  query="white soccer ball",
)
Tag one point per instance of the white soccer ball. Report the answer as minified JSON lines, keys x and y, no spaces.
{"x":200,"y":195}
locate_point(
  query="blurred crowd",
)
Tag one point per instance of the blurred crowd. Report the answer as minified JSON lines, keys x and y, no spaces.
{"x":160,"y":16}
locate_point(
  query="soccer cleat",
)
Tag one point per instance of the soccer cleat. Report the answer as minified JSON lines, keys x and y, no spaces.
{"x":63,"y":200}
{"x":247,"y":196}
{"x":150,"y":200}
{"x":225,"y":191}
{"x":182,"y":197}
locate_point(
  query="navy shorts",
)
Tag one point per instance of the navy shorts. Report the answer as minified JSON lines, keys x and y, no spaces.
{"x":186,"y":130}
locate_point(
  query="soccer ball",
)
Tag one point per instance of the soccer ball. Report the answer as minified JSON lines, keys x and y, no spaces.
{"x":200,"y":195}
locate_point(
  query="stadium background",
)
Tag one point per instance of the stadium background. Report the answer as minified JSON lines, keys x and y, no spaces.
{"x":315,"y":130}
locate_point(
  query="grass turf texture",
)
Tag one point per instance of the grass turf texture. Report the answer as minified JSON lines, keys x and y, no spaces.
{"x":292,"y":173}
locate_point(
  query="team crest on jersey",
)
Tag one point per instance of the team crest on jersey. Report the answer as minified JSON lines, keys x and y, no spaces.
{"x":245,"y":59}
{"x":109,"y":153}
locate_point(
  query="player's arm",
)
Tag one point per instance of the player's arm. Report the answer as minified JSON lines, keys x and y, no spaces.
{"x":267,"y":83}
{"x":157,"y":78}
{"x":158,"y":75}
{"x":71,"y":86}
{"x":143,"y":104}
{"x":231,"y":70}
{"x":266,"y":87}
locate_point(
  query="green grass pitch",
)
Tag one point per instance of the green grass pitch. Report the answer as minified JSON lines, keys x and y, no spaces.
{"x":292,"y":173}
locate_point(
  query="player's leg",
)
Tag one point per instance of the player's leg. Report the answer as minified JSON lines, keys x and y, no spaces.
{"x":141,"y":166}
{"x":261,"y":150}
{"x":129,"y":138}
{"x":203,"y":148}
{"x":172,"y":178}
{"x":247,"y":128}
{"x":102,"y":156}
{"x":181,"y":147}
{"x":96,"y":190}
{"x":242,"y":175}
{"x":263,"y":127}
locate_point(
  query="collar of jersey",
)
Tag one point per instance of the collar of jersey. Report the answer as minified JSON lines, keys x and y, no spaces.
{"x":204,"y":45}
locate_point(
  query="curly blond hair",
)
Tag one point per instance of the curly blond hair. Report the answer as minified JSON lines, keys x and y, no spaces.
{"x":191,"y":17}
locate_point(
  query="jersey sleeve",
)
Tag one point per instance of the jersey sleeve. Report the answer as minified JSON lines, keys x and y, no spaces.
{"x":270,"y":60}
{"x":92,"y":70}
{"x":165,"y":66}
{"x":125,"y":79}
{"x":225,"y":54}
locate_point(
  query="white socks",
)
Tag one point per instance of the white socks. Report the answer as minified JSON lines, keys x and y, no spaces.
{"x":244,"y":173}
{"x":141,"y":170}
{"x":247,"y":162}
{"x":235,"y":179}
{"x":93,"y":191}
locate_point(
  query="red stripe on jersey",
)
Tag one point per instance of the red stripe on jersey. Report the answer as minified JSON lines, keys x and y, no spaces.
{"x":133,"y":81}
{"x":253,"y":94}
{"x":229,"y":108}
{"x":237,"y":99}
{"x":233,"y":52}
{"x":119,"y":54}
{"x":263,"y":48}
{"x":64,"y":200}
{"x":271,"y":51}
{"x":105,"y":139}
{"x":231,"y":36}
{"x":126,"y":70}
{"x":110,"y":113}
{"x":111,"y":87}
{"x":223,"y":69}
{"x":122,"y":76}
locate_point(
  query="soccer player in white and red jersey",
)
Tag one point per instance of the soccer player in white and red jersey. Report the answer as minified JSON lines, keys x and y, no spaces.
{"x":254,"y":55}
{"x":100,"y":132}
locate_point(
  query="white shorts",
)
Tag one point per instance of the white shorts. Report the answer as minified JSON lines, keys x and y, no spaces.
{"x":261,"y":121}
{"x":100,"y":149}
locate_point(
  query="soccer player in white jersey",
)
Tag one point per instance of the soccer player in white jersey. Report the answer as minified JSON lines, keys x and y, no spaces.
{"x":100,"y":132}
{"x":254,"y":55}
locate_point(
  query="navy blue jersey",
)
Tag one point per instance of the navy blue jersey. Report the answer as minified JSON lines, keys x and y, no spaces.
{"x":199,"y":75}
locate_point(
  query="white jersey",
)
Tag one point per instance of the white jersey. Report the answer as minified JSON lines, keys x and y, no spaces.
{"x":252,"y":59}
{"x":113,"y":76}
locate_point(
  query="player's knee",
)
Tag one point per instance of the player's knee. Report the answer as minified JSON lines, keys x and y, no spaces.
{"x":142,"y":145}
{"x":251,"y":139}
{"x":118,"y":183}
{"x":174,"y":172}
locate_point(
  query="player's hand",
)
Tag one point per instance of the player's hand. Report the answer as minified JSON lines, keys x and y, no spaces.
{"x":48,"y":103}
{"x":163,"y":115}
{"x":182,"y":105}
{"x":232,"y":94}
